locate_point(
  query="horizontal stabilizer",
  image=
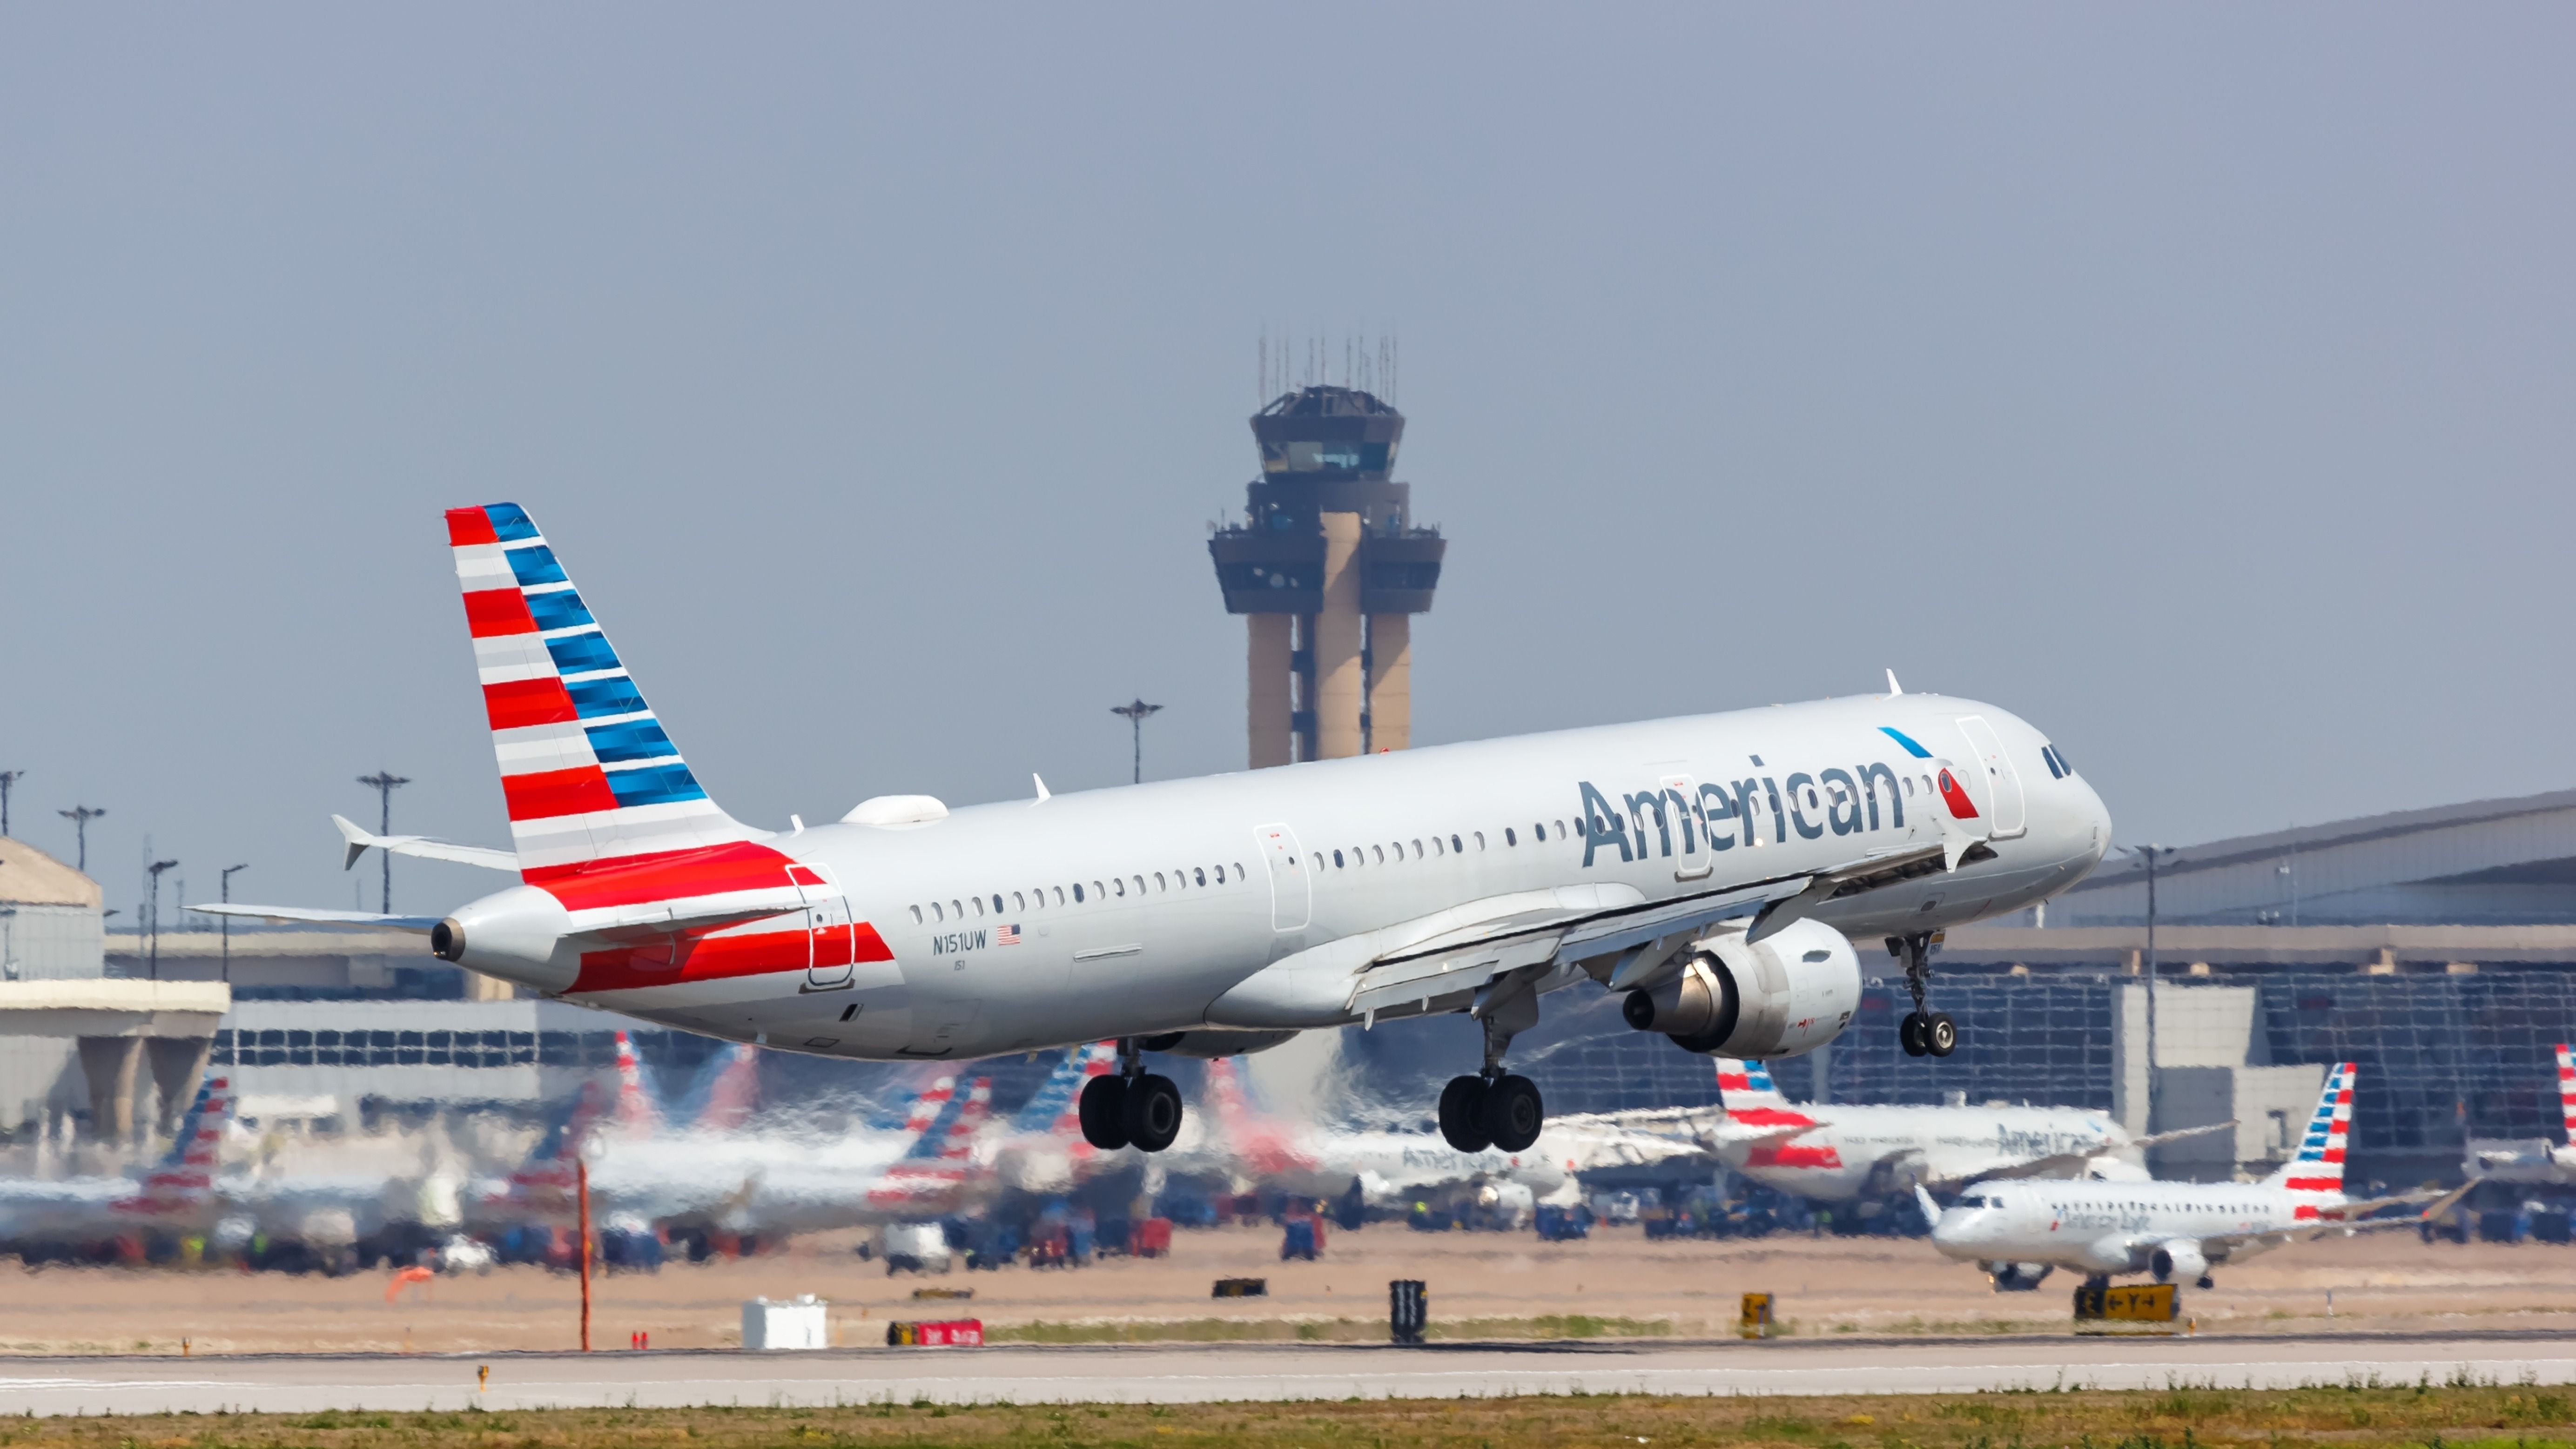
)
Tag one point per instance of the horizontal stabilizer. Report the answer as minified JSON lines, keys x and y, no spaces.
{"x":340,"y":920}
{"x":2180,"y":1133}
{"x":357,"y":839}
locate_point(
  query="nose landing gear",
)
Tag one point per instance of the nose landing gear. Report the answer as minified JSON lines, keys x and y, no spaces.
{"x":1133,"y":1108}
{"x":1921,"y":1033}
{"x":1492,"y":1108}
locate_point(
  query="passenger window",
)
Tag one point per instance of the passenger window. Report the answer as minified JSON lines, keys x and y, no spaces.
{"x":1202,"y":874}
{"x":1019,"y":902}
{"x":1238,"y":871}
{"x":1319,"y":860}
{"x":1417,"y":850}
{"x":1538,"y":832}
{"x":1119,"y":883}
{"x":936,"y":913}
{"x":1158,"y":880}
{"x":1380,"y":854}
{"x":979,"y":904}
{"x":1480,"y":840}
{"x":1510,"y":838}
{"x":916,"y":915}
{"x":1457,"y":848}
{"x":1077,"y":893}
{"x":997,"y":903}
{"x":1059,"y":895}
{"x":1909,"y":784}
{"x":1560,"y":830}
{"x":1099,"y":892}
{"x":1337,"y":860}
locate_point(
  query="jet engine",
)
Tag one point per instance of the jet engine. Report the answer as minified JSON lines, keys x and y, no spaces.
{"x":2016,"y":1277}
{"x":1791,"y":992}
{"x":2178,"y":1258}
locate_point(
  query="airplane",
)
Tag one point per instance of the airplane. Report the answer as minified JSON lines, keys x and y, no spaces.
{"x":1714,"y":870}
{"x":1841,"y":1151}
{"x":1389,"y":1166}
{"x":2535,"y":1159}
{"x":2019,"y":1230}
{"x":175,"y":1196}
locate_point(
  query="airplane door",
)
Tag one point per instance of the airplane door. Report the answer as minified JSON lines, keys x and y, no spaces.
{"x":2003,"y":784}
{"x":831,"y":937}
{"x":1291,"y":893}
{"x":1690,"y":828}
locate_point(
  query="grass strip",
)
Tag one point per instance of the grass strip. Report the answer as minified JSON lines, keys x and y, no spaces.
{"x":2358,"y":1415}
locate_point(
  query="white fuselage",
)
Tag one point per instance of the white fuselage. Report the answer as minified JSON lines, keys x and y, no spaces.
{"x":1186,"y":888}
{"x":1857,"y":1149}
{"x":2110,"y":1228}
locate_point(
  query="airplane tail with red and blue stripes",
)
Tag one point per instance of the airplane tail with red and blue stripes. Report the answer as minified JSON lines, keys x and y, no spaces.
{"x":587,"y":770}
{"x":184,"y":1179}
{"x":2318,"y":1165}
{"x":2567,"y":1092}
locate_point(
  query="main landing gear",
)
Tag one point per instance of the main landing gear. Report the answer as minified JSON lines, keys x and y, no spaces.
{"x":1492,"y":1108}
{"x":1133,"y":1108}
{"x":1922,"y":1033}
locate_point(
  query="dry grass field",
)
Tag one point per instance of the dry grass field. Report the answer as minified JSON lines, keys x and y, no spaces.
{"x":1481,"y":1285}
{"x":2430,"y":1415}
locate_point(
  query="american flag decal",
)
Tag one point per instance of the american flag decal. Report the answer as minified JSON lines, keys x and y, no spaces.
{"x":1006,"y":935}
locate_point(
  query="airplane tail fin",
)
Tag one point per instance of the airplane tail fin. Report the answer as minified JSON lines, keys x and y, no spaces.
{"x":2567,"y":1092}
{"x":1055,"y":1108}
{"x":1744,"y":1086}
{"x":586,"y":769}
{"x":728,"y":1093}
{"x":185,"y":1175}
{"x":637,"y":1112}
{"x":2318,"y":1167}
{"x":941,"y":1158}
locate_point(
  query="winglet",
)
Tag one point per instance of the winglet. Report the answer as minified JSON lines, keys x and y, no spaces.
{"x":1043,"y":794}
{"x":1893,"y":688}
{"x":1931,"y":1209}
{"x":355,"y":839}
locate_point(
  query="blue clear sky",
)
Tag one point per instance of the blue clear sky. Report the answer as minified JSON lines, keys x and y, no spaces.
{"x":2194,"y":380}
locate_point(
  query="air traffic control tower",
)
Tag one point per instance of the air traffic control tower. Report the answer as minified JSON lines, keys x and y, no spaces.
{"x":1328,"y":571}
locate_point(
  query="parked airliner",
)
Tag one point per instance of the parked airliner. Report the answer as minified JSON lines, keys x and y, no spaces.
{"x":1714,"y":869}
{"x":1835,"y":1152}
{"x":2173,"y":1230}
{"x":2535,"y":1159}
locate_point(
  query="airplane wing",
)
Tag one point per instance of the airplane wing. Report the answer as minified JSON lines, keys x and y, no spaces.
{"x":2070,"y":1164}
{"x":343,"y":920}
{"x":2350,"y":1219}
{"x":357,"y":840}
{"x":1474,"y":955}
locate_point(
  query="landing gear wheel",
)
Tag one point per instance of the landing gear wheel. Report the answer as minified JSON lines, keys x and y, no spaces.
{"x":1462,"y":1114}
{"x":1940,"y":1034}
{"x":1152,"y":1112}
{"x":1513,"y":1113}
{"x":1103,"y":1109}
{"x":1909,"y":1033}
{"x":2204,"y":1284}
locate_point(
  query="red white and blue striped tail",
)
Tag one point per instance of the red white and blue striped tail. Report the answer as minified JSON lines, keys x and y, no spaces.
{"x":2318,"y":1167}
{"x":1746,"y":1086}
{"x":2567,"y":1091}
{"x":184,"y":1179}
{"x":586,"y":769}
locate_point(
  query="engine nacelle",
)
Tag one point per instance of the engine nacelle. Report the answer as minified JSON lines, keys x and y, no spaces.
{"x":515,"y":934}
{"x":2017,"y":1277}
{"x":2178,"y":1258}
{"x":1789,"y":993}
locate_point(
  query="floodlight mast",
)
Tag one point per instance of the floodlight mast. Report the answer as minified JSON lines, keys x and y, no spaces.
{"x":1136,"y":710}
{"x":385,"y":783}
{"x":80,"y":816}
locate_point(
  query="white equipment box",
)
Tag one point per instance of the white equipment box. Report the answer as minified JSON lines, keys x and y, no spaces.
{"x":795,"y":1324}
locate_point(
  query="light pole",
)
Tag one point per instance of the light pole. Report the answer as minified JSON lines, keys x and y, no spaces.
{"x":1136,"y":710}
{"x":7,"y":779}
{"x":80,"y":816}
{"x":227,"y":883}
{"x":2150,"y":854}
{"x":154,"y":919}
{"x":384,"y":783}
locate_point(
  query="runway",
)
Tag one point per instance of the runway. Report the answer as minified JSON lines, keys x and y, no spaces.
{"x":1221,"y":1373}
